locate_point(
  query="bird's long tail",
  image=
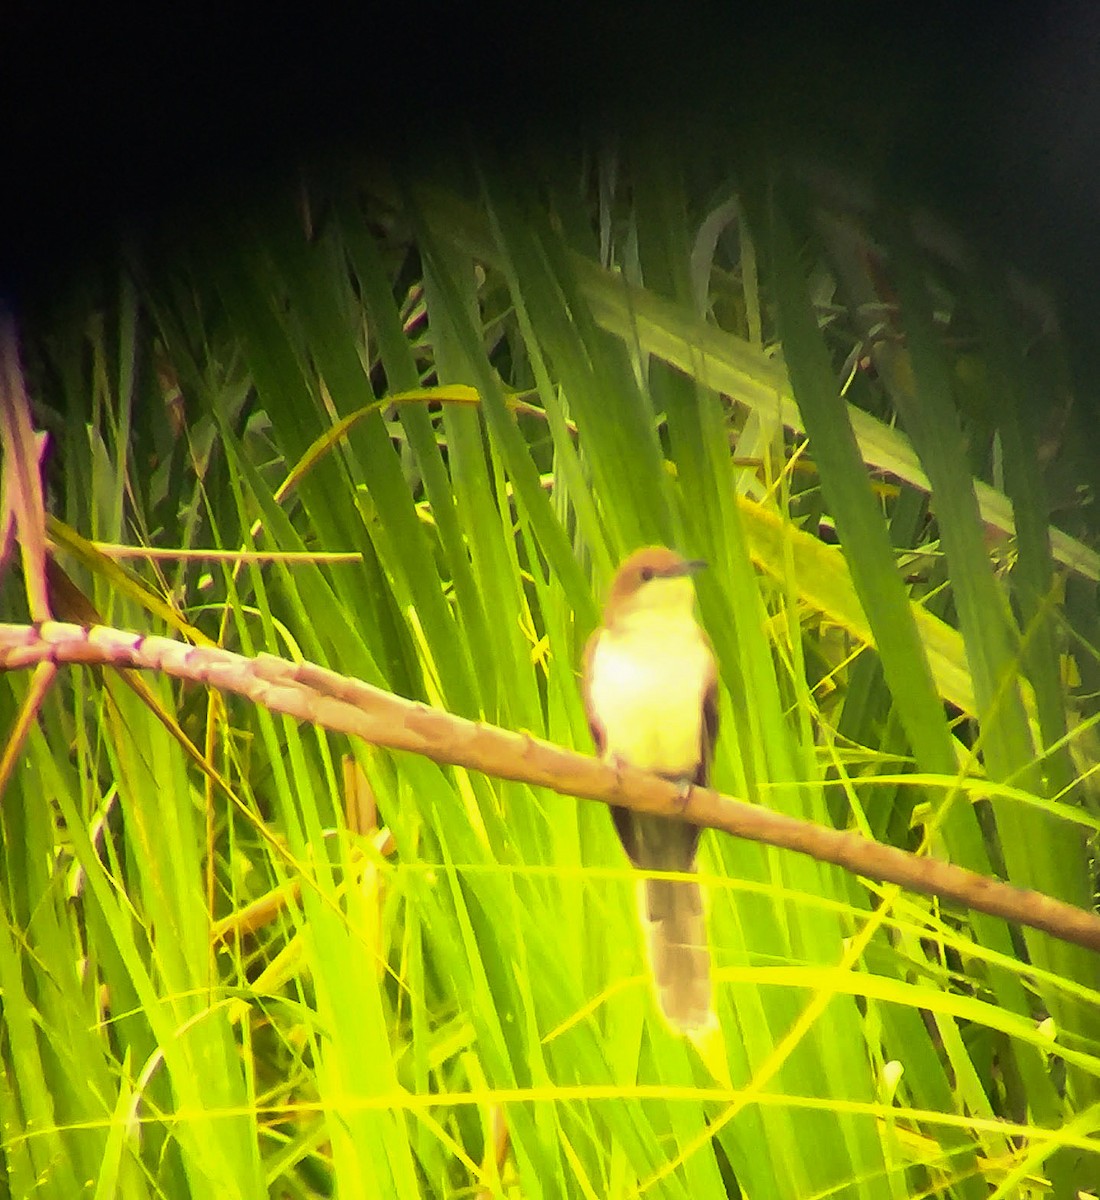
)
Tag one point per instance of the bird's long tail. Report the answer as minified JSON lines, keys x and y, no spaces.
{"x":672,"y":914}
{"x":672,"y":917}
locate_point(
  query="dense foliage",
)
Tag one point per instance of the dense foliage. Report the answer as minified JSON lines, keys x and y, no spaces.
{"x":406,"y":430}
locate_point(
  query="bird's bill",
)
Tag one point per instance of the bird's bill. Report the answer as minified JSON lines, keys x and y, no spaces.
{"x":691,"y":566}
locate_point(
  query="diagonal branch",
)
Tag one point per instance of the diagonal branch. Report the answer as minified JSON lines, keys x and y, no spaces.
{"x":311,"y":693}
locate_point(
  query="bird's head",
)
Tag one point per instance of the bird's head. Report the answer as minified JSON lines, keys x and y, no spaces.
{"x":653,"y":580}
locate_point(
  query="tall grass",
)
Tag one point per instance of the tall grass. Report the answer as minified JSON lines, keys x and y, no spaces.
{"x":309,"y":968}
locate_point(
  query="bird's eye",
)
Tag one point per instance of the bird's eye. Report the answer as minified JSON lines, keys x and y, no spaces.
{"x":646,"y":573}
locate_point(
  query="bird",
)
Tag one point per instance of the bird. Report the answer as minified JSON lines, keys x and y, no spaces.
{"x":650,"y":689}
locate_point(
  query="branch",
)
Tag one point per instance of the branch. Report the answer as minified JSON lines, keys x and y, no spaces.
{"x":311,"y":693}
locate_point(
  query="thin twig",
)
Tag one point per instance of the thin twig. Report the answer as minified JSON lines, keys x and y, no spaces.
{"x":311,"y":693}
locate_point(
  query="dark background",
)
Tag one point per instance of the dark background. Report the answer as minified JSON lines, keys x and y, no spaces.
{"x":992,"y":118}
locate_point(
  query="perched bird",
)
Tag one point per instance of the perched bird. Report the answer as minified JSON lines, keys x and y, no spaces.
{"x":650,"y":689}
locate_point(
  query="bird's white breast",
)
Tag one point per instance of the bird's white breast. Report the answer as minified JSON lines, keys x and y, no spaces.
{"x":646,"y":686}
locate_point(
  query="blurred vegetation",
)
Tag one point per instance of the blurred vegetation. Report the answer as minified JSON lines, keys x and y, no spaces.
{"x":240,"y":957}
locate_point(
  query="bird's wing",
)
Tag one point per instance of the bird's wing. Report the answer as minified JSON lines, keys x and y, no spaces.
{"x":623,"y":818}
{"x":710,"y":728}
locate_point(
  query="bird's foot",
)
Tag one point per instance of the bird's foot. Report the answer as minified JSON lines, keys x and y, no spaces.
{"x":683,"y":794}
{"x":619,"y":765}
